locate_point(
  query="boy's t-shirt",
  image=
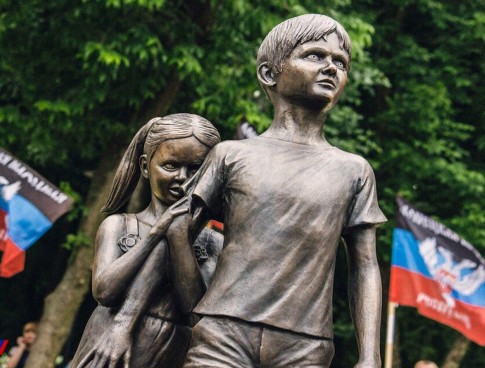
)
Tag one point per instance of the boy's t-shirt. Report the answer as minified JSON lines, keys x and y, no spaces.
{"x":284,"y":206}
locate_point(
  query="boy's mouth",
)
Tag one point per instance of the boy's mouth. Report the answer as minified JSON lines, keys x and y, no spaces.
{"x":327,"y":83}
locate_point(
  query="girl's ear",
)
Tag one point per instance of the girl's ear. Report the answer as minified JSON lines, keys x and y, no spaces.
{"x":144,"y":166}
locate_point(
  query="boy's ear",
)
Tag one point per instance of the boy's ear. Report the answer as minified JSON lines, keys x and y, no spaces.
{"x":144,"y":166}
{"x":265,"y":75}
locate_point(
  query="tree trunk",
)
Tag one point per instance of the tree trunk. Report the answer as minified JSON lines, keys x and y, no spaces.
{"x":457,"y":352}
{"x":61,"y":306}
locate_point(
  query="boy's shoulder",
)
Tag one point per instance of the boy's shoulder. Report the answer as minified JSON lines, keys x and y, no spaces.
{"x":349,"y":157}
{"x":232,"y":146}
{"x":350,"y":163}
{"x":253,"y":146}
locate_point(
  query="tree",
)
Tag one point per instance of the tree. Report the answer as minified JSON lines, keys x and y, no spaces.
{"x":88,"y":74}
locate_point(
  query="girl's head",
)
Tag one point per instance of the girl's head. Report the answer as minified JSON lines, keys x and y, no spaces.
{"x":176,"y":144}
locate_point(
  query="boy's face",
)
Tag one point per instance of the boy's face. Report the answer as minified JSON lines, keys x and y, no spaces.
{"x":315,"y":73}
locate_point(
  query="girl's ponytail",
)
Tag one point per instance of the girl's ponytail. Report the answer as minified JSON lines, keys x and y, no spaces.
{"x":128,"y":172}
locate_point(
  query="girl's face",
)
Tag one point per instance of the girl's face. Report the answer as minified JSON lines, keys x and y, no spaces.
{"x":174,"y":161}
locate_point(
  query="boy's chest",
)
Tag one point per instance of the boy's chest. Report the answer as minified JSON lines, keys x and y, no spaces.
{"x":293,"y":179}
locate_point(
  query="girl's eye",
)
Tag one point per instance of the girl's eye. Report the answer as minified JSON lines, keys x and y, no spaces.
{"x":169,"y":166}
{"x":193,"y":168}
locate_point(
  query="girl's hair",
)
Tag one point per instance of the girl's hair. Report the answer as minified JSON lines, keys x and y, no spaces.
{"x":146,"y":142}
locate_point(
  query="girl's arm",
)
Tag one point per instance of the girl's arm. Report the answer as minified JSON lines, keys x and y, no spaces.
{"x":114,"y":271}
{"x":115,"y":344}
{"x":189,"y":285}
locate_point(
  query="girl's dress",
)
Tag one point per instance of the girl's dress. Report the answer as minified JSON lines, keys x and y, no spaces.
{"x":162,"y":335}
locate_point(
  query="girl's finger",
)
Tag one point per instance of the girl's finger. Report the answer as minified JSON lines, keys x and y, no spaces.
{"x":101,"y":362}
{"x":127,"y":358}
{"x":95,"y":360}
{"x":179,"y":211}
{"x":179,"y":203}
{"x":86,"y":360}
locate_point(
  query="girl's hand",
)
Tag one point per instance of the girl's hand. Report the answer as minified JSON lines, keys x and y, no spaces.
{"x":113,"y":347}
{"x":179,"y":208}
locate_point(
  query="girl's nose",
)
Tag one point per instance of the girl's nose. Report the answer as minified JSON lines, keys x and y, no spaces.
{"x":183,"y":173}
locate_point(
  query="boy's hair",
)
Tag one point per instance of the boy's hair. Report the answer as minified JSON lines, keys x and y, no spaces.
{"x":286,"y":36}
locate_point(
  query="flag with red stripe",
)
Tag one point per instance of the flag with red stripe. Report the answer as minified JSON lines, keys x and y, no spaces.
{"x":29,"y":205}
{"x":3,"y":346}
{"x":438,"y":272}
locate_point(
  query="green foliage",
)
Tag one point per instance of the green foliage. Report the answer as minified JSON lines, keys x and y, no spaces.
{"x":78,"y":209}
{"x":74,"y":241}
{"x":74,"y":76}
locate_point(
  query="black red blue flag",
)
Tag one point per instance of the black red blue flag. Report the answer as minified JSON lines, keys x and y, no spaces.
{"x":438,"y":272}
{"x":29,"y":205}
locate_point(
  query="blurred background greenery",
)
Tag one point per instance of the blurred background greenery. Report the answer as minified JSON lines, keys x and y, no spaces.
{"x":79,"y":77}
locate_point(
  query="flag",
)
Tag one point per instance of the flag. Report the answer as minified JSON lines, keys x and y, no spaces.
{"x":3,"y":346}
{"x":438,"y":272}
{"x":245,"y":130}
{"x":29,"y":205}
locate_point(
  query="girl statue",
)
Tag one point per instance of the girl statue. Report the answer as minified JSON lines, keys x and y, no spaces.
{"x":146,"y":290}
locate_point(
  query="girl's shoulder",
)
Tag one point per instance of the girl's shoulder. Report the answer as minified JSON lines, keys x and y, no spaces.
{"x":117,"y":224}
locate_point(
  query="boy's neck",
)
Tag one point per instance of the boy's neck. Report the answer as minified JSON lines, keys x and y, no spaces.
{"x":297,"y":124}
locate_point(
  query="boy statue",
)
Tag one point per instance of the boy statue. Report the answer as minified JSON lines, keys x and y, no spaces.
{"x":286,"y":199}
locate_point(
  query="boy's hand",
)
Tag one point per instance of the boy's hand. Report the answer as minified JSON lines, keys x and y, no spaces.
{"x":369,"y":363}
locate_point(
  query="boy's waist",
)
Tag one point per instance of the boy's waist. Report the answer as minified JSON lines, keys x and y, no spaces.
{"x":315,"y":325}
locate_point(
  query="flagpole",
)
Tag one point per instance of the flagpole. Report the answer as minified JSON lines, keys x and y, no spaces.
{"x":391,"y":307}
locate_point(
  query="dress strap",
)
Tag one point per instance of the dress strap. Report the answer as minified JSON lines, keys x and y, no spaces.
{"x":131,"y":237}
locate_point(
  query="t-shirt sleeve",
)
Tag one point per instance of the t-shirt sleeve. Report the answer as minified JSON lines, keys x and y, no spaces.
{"x":364,"y":209}
{"x":210,"y":180}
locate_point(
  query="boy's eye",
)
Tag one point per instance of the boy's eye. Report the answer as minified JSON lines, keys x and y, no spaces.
{"x":313,"y":57}
{"x":339,"y":64}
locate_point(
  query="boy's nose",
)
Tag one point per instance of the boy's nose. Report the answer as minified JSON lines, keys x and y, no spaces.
{"x":329,"y":67}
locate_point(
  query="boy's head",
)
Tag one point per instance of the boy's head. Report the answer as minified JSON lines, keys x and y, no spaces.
{"x":286,"y":36}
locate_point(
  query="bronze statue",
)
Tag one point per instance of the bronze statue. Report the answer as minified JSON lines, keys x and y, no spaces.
{"x":145,"y":292}
{"x":286,"y":199}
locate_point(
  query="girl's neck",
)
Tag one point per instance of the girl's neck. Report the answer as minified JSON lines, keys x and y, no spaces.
{"x":153,"y":212}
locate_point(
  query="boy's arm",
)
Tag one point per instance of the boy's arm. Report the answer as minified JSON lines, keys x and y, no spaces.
{"x":365,"y":293}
